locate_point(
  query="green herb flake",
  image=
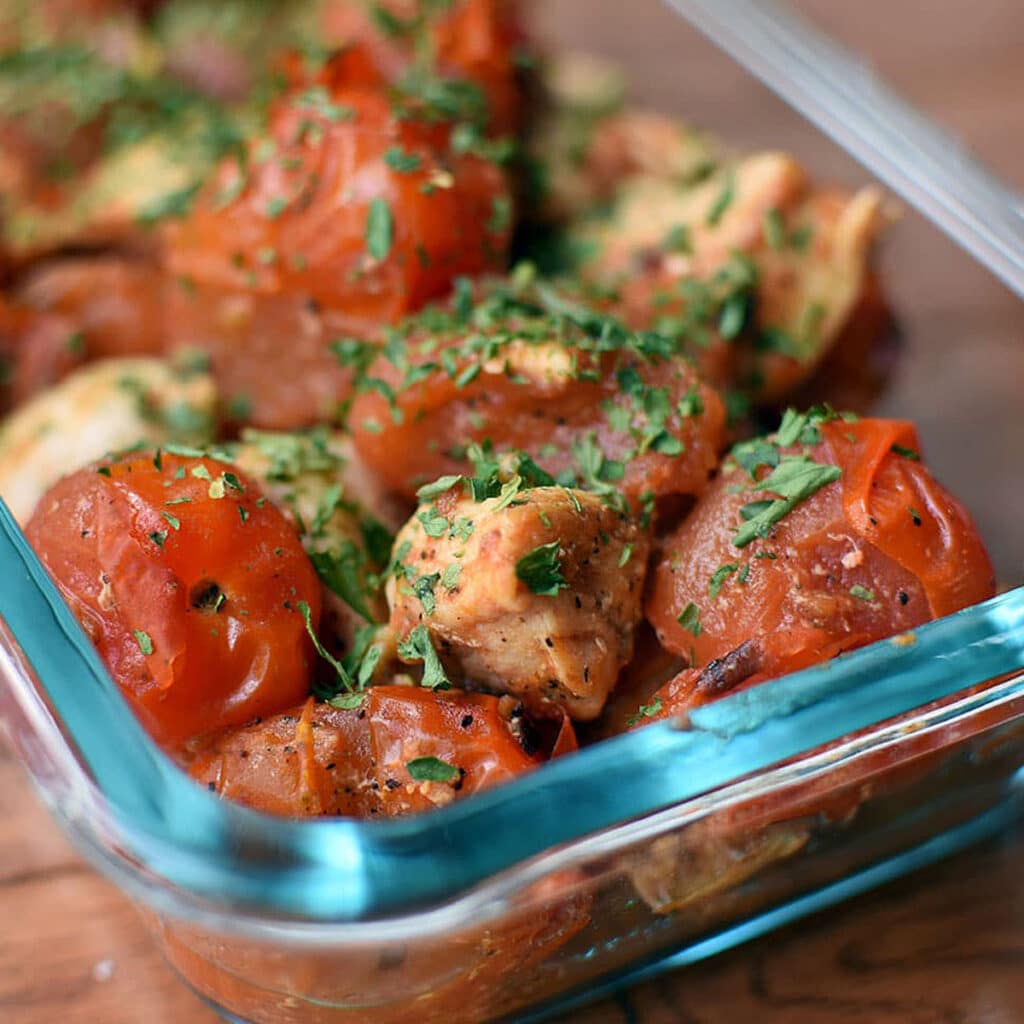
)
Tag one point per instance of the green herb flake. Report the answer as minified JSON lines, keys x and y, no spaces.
{"x":915,"y":516}
{"x":440,"y":486}
{"x":434,"y":524}
{"x":380,"y":229}
{"x":344,"y":678}
{"x":677,"y":239}
{"x":418,"y":646}
{"x":142,"y":638}
{"x":541,"y":570}
{"x":348,"y":701}
{"x":450,"y":576}
{"x":723,"y":201}
{"x":862,"y":593}
{"x":174,"y":521}
{"x":774,"y":229}
{"x":158,"y":537}
{"x":501,"y":215}
{"x":432,"y":769}
{"x":399,"y":160}
{"x":689,"y":619}
{"x":718,"y":578}
{"x":907,"y":453}
{"x":794,"y":480}
{"x":645,"y":711}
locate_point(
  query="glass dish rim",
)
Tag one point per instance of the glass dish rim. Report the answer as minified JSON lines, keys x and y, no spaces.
{"x":243,"y":863}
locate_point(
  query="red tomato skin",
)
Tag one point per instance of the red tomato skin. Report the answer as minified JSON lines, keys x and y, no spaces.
{"x":473,"y":41}
{"x":116,"y":304}
{"x":848,"y":566}
{"x":143,"y":588}
{"x":300,"y":223}
{"x":319,"y":760}
{"x":37,"y":349}
{"x":417,"y":440}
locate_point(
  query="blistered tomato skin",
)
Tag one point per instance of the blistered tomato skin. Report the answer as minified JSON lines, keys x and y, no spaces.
{"x":189,"y":583}
{"x":879,"y":550}
{"x":471,"y":41}
{"x":320,"y":760}
{"x":349,"y":202}
{"x":574,"y":412}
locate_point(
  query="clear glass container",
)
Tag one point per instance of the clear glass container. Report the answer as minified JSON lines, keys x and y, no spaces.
{"x":648,"y":850}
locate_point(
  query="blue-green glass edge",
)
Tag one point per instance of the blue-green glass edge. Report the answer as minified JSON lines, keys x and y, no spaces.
{"x":346,"y":870}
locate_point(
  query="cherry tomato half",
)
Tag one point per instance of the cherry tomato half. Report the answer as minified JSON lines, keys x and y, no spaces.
{"x":878,"y":550}
{"x":401,"y":749}
{"x":189,"y":583}
{"x":354,"y":201}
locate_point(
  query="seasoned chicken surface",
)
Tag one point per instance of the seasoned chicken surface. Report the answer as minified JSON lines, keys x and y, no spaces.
{"x":104,"y":407}
{"x":537,"y":595}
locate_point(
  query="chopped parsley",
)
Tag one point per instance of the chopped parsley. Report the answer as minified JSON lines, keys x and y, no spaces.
{"x":862,"y":593}
{"x":343,"y":676}
{"x":718,"y":578}
{"x":432,"y":769}
{"x":723,"y":201}
{"x":450,"y":576}
{"x":541,"y":570}
{"x":142,"y":638}
{"x":418,"y":646}
{"x":907,"y":453}
{"x":645,"y":711}
{"x":774,"y":228}
{"x":399,"y":160}
{"x":348,"y":701}
{"x":380,"y":229}
{"x":343,"y":569}
{"x":795,"y":479}
{"x":689,"y":619}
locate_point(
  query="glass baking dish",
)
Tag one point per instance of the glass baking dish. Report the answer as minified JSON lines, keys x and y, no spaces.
{"x":649,"y":850}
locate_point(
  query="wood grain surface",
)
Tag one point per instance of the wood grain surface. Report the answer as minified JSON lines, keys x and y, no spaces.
{"x":944,"y":946}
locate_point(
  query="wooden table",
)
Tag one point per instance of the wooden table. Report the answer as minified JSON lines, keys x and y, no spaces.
{"x":944,"y":946}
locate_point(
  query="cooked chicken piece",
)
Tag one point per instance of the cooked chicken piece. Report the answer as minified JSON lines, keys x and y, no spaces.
{"x":113,"y":201}
{"x":722,"y":215}
{"x":103,"y":407}
{"x":318,"y":482}
{"x":536,"y":593}
{"x":804,"y":255}
{"x":810,"y":294}
{"x":587,"y":142}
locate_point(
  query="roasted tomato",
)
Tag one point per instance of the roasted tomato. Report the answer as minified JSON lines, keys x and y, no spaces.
{"x":189,"y":583}
{"x":357,"y":200}
{"x":400,"y":749}
{"x":592,"y":403}
{"x":471,"y":41}
{"x":261,"y":380}
{"x":116,"y":305}
{"x":824,"y":537}
{"x":36,"y":350}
